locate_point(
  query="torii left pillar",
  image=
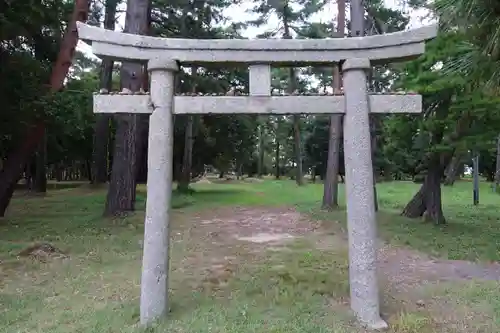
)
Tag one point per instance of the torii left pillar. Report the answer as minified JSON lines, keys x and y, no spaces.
{"x":155,"y":263}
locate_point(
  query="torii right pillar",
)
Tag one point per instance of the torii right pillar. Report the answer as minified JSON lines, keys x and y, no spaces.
{"x":361,"y":216}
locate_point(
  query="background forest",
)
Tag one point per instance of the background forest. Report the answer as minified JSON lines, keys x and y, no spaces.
{"x":459,"y":119}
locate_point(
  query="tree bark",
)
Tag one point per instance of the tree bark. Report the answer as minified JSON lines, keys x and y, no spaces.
{"x":296,"y":134}
{"x":373,"y":132}
{"x":143,"y":124}
{"x":296,"y":118}
{"x":427,"y":201}
{"x":13,"y":167}
{"x":187,"y":159}
{"x":497,"y":169}
{"x":452,"y":172}
{"x":331,"y":184}
{"x":260,"y":162}
{"x":433,"y":204}
{"x":299,"y":179}
{"x":40,"y":183}
{"x":102,"y":129}
{"x":121,"y":192}
{"x":277,"y":171}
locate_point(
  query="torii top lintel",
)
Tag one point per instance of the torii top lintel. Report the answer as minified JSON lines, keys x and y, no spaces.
{"x":385,"y":48}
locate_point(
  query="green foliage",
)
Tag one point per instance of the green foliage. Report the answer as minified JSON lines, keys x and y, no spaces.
{"x":457,"y":113}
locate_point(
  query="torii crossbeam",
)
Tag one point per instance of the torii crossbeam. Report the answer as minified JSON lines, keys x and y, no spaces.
{"x":164,"y":55}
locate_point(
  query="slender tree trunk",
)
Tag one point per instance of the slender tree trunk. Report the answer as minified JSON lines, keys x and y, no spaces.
{"x":187,"y":156}
{"x":497,"y":169}
{"x":260,"y":162}
{"x":121,"y":192}
{"x":277,"y":159}
{"x":102,"y":128}
{"x":29,"y":176}
{"x":373,"y":132}
{"x":40,"y":183}
{"x":13,"y":167}
{"x":331,"y":183}
{"x":299,"y":179}
{"x":452,"y":172}
{"x":296,"y":118}
{"x":296,"y":134}
{"x":187,"y":159}
{"x":475,"y":178}
{"x":143,"y":132}
{"x":143,"y":120}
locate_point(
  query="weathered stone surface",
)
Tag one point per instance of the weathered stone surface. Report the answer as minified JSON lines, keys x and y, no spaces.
{"x":155,"y":262}
{"x":256,"y":104}
{"x":260,"y":80}
{"x":379,"y":48}
{"x":361,"y":223}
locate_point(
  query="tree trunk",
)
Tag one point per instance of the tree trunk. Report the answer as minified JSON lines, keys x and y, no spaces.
{"x":427,"y":201}
{"x":434,"y":208}
{"x":15,"y":163}
{"x":260,"y":162}
{"x":187,"y":159}
{"x":101,"y":145}
{"x":101,"y":128}
{"x":373,"y":132}
{"x":121,"y":192}
{"x":497,"y":168}
{"x":331,"y":184}
{"x":299,"y":179}
{"x":296,"y":133}
{"x":40,"y":183}
{"x":29,"y":176}
{"x":277,"y":159}
{"x":142,"y":139}
{"x":239,"y":170}
{"x":143,"y":122}
{"x":296,"y":118}
{"x":453,"y":169}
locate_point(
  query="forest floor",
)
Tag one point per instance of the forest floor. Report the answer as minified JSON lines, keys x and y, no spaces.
{"x":248,"y":257}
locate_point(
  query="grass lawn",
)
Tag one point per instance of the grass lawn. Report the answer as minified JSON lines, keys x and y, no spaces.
{"x":234,"y":286}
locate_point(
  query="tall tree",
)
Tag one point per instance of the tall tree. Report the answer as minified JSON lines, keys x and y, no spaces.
{"x":102,"y":123}
{"x":292,"y":15}
{"x":458,"y":114}
{"x":122,"y":187}
{"x":331,"y":184}
{"x":15,"y":163}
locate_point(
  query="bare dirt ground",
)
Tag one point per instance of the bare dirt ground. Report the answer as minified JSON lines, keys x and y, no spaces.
{"x":405,"y":274}
{"x":275,"y":226}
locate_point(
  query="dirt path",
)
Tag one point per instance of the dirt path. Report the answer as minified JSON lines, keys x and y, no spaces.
{"x":272,"y":226}
{"x":405,"y":274}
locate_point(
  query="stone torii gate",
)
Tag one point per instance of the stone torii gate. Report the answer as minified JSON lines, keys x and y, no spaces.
{"x":164,"y":55}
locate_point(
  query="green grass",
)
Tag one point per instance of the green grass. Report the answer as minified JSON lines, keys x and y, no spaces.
{"x":303,"y":289}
